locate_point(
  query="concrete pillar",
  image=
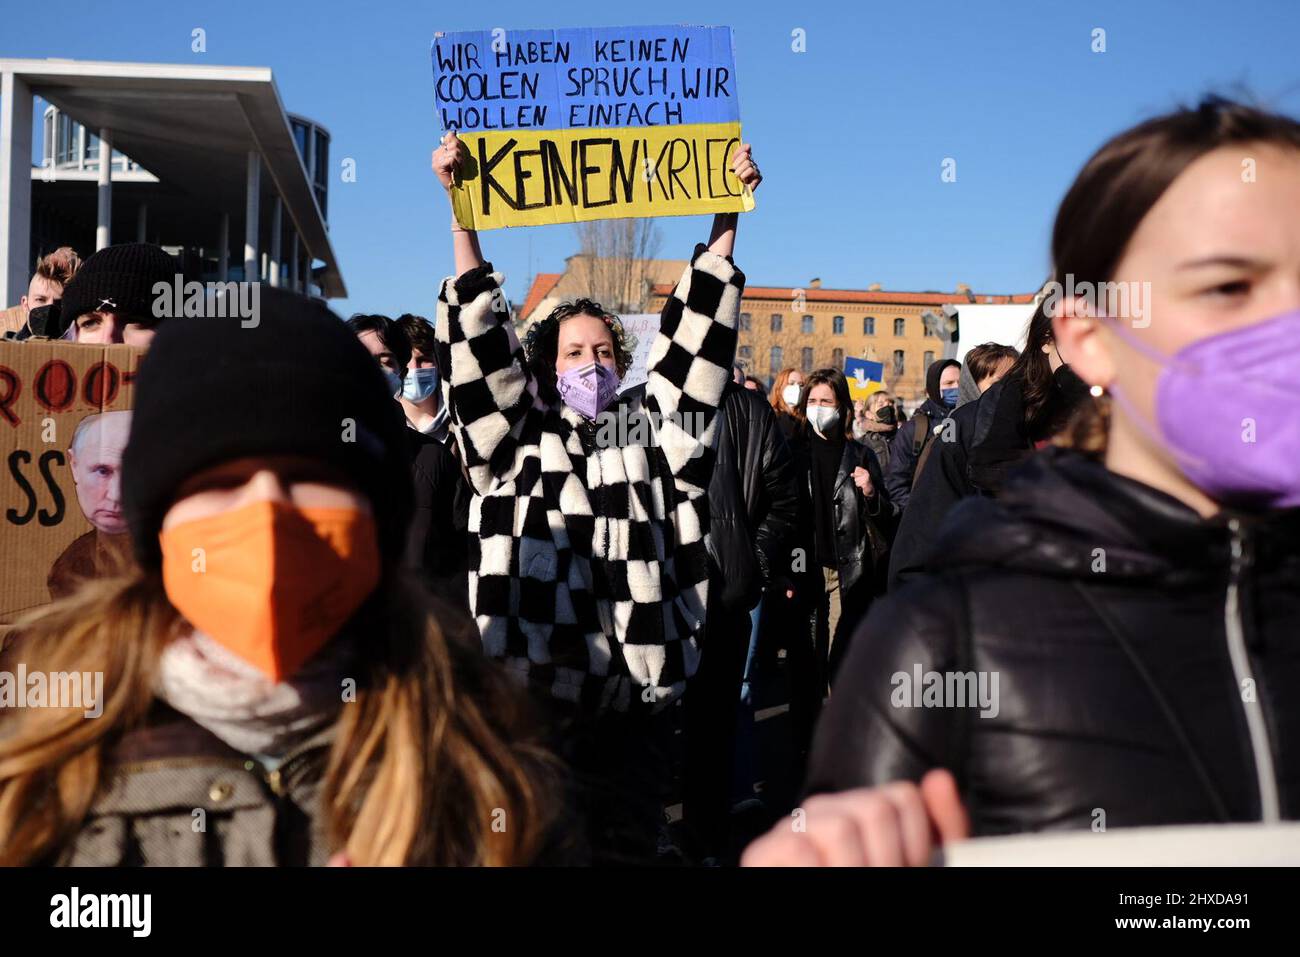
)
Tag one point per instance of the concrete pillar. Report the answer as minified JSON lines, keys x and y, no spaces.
{"x":223,"y":248}
{"x":273,"y":272}
{"x":104,"y":215}
{"x":252,"y":197}
{"x":15,"y":188}
{"x":141,"y":222}
{"x":293,"y":264}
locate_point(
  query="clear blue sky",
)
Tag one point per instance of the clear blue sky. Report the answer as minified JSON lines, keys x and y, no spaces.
{"x":850,"y":134}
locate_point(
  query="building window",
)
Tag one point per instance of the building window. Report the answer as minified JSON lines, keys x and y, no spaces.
{"x":66,"y":139}
{"x":900,"y":327}
{"x":926,"y":330}
{"x":744,"y":322}
{"x":774,"y":363}
{"x":898,"y":361}
{"x":806,"y":360}
{"x":869,"y":325}
{"x":837,"y":326}
{"x":776,"y":322}
{"x":745,"y":352}
{"x":929,"y":360}
{"x":837,"y":359}
{"x":807,"y":325}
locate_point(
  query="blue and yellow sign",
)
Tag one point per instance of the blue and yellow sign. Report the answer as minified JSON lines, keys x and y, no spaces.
{"x":596,"y":123}
{"x":865,"y":377}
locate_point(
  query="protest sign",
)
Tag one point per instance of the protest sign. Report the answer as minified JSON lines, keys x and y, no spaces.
{"x":641,"y":330}
{"x":604,"y":123}
{"x":65,"y":415}
{"x":865,"y":377}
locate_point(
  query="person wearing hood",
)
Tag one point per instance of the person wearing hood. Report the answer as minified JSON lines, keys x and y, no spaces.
{"x":916,"y":434}
{"x":1123,"y":617}
{"x":985,"y":439}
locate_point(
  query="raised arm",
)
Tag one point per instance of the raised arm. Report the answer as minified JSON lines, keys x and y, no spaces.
{"x":690,"y":361}
{"x":723,"y":238}
{"x":448,"y":160}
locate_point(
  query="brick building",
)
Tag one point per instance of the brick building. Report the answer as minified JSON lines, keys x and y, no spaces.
{"x":808,"y":328}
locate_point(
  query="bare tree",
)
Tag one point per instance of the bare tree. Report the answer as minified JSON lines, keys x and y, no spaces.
{"x":614,"y":254}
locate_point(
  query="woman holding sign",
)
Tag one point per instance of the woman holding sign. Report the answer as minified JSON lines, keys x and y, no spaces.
{"x":588,"y":566}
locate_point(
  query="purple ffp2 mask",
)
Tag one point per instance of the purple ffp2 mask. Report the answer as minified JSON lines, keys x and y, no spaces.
{"x":1240,"y":445}
{"x":588,"y":389}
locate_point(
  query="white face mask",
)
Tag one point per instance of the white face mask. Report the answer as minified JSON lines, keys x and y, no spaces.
{"x":792,"y":394}
{"x":821,"y":417}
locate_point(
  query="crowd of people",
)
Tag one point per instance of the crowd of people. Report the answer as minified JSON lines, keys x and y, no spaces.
{"x":445,"y":614}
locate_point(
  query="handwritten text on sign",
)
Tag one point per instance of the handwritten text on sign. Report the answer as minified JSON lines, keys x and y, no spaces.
{"x":568,"y":125}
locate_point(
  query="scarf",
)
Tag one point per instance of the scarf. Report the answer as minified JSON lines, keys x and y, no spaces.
{"x":229,"y":697}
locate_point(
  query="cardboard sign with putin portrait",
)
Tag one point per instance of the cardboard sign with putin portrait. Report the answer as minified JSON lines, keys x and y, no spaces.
{"x":65,"y":412}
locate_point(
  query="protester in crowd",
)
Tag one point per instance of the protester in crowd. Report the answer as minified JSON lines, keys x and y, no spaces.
{"x":589,"y":569}
{"x":753,"y":513}
{"x":267,"y":667}
{"x":52,"y":275}
{"x":111,"y":299}
{"x":753,"y":384}
{"x":1130,"y":588}
{"x":850,"y":522}
{"x":421,"y":396}
{"x":986,"y":439}
{"x":786,"y":397}
{"x":989,"y":363}
{"x":876,"y":425}
{"x":436,"y":537}
{"x":985,"y":364}
{"x":909,"y":444}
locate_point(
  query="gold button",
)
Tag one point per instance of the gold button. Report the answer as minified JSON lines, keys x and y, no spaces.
{"x":220,"y":791}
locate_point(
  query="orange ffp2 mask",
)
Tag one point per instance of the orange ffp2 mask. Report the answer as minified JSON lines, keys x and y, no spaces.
{"x":271,"y":582}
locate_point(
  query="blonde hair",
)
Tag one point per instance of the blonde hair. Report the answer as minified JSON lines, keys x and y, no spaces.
{"x":434,"y":749}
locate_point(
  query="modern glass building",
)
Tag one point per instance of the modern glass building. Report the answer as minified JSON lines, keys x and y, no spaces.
{"x":200,"y":158}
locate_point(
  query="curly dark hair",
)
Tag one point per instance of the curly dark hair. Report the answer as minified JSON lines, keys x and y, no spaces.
{"x":541,"y":342}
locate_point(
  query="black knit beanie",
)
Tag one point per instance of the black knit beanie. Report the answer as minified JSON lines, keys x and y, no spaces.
{"x":298,"y":382}
{"x":123,"y":276}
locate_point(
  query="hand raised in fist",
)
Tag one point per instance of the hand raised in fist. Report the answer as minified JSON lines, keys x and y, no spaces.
{"x":743,"y":165}
{"x":449,"y":158}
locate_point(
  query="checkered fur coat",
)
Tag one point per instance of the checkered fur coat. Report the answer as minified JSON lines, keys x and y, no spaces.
{"x":588,"y":566}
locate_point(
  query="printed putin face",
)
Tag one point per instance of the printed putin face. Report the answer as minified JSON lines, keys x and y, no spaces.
{"x":96,"y":462}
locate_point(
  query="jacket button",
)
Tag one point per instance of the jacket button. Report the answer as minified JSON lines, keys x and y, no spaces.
{"x":220,"y":791}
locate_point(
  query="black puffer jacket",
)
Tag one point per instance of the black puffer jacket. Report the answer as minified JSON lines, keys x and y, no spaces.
{"x":1147,"y":660}
{"x":753,"y":499}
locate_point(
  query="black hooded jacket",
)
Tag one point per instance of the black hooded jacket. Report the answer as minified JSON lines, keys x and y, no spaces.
{"x":902,"y":448}
{"x":1146,"y":660}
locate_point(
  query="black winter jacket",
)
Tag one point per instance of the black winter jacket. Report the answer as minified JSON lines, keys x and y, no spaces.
{"x":989,"y":438}
{"x":435,"y":543}
{"x":753,"y":500}
{"x":1147,"y":660}
{"x":902,"y":454}
{"x":863,"y":528}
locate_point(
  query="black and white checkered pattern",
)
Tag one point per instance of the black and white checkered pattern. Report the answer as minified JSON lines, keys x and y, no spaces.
{"x":588,"y":566}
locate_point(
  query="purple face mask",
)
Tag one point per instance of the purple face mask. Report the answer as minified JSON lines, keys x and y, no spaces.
{"x":1228,"y":410}
{"x":588,"y":389}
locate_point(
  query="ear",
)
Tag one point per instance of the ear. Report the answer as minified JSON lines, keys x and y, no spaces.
{"x":1079,"y":340}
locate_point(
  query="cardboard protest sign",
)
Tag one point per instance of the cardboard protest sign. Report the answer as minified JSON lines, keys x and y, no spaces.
{"x":641,"y":330}
{"x":865,"y":377}
{"x":592,"y":123}
{"x":64,"y":414}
